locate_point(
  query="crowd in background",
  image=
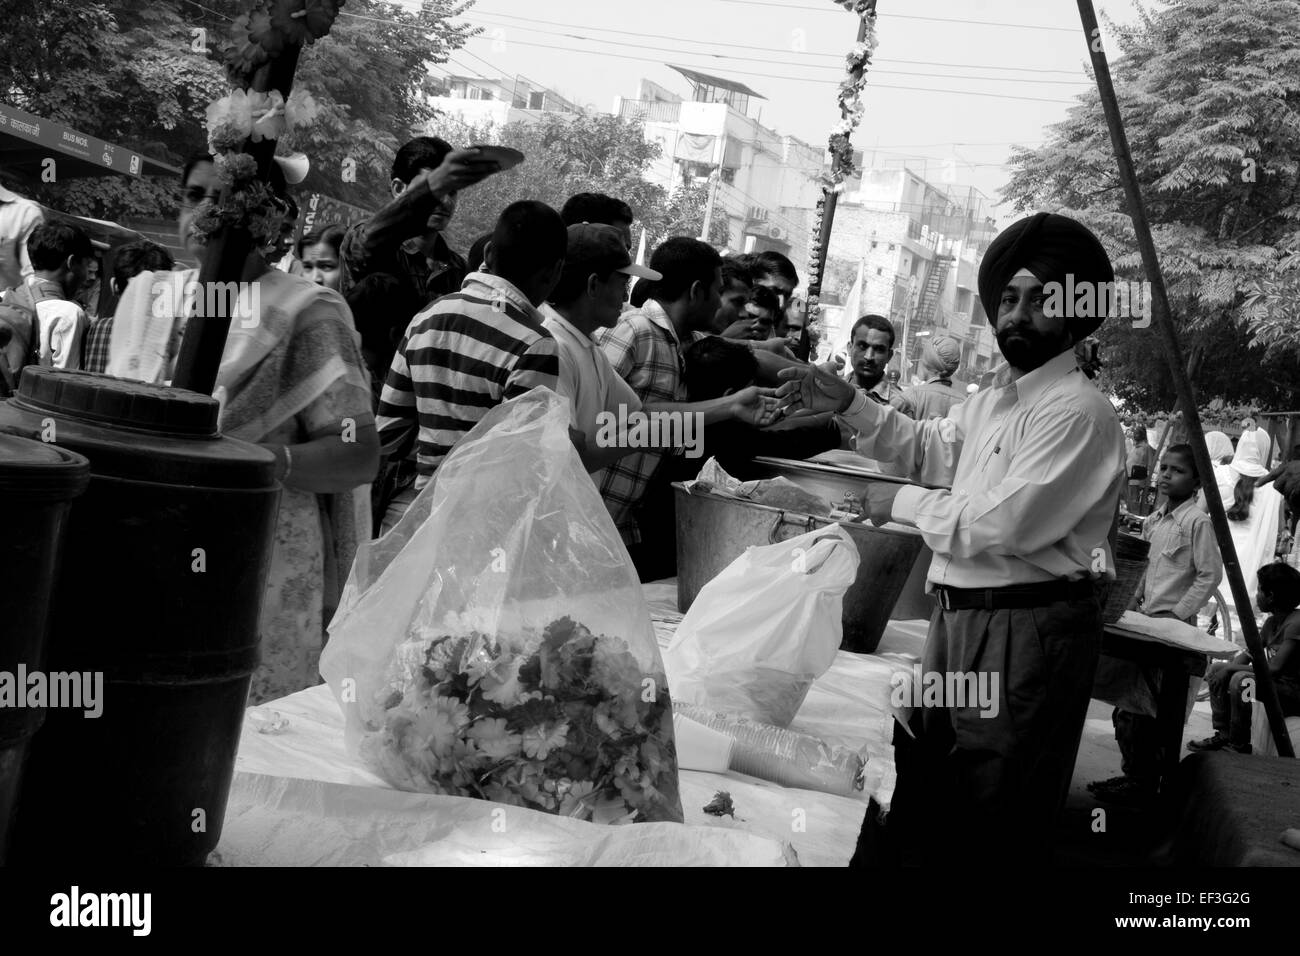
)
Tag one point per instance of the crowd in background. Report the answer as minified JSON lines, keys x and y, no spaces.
{"x":380,"y":346}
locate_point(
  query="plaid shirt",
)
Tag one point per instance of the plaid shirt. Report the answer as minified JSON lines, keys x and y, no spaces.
{"x":94,"y":352}
{"x":644,"y":349}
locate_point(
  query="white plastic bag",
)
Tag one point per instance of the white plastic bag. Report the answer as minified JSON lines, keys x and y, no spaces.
{"x":496,"y":643}
{"x":765,"y":628}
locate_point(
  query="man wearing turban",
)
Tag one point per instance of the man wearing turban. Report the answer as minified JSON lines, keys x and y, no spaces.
{"x":940,"y":356}
{"x":1035,"y":463}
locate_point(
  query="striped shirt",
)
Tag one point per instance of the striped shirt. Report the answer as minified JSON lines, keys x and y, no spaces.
{"x":463,"y":355}
{"x":644,"y":349}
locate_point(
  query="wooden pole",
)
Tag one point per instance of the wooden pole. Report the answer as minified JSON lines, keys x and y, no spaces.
{"x":226,"y":258}
{"x":1265,"y":692}
{"x":829,"y":198}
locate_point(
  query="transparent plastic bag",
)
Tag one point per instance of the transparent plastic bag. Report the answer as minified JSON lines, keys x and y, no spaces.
{"x":496,"y":643}
{"x":783,"y":756}
{"x":771,"y":622}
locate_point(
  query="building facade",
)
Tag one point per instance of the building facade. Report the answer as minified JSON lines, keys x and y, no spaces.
{"x":909,"y":249}
{"x":765,"y":184}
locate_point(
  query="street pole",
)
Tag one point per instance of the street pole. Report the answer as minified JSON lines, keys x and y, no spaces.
{"x":829,"y":199}
{"x":1265,"y":691}
{"x":708,"y":207}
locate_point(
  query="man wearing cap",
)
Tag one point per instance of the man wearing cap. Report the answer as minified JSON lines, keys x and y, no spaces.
{"x":1036,"y":465}
{"x":589,"y":296}
{"x":940,"y":356}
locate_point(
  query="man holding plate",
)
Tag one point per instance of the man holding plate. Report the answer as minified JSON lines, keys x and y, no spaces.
{"x":1021,"y":543}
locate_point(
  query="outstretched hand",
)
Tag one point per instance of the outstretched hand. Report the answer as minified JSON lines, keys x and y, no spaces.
{"x":807,"y":390}
{"x":756,"y":406}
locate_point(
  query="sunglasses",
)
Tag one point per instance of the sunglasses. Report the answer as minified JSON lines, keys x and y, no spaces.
{"x":193,"y":195}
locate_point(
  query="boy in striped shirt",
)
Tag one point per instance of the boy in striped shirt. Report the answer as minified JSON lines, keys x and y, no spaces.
{"x":473,"y":349}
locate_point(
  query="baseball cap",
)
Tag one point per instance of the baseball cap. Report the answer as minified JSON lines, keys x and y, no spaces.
{"x":599,"y":248}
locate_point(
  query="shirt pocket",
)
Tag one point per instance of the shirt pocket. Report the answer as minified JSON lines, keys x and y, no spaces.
{"x":1176,"y":550}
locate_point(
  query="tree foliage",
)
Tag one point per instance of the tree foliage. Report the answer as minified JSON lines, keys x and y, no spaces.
{"x":568,"y":153}
{"x":142,"y":75}
{"x":1209,"y":94}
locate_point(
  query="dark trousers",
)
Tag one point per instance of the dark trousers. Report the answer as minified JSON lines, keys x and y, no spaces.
{"x":1139,"y":746}
{"x":974,"y":787}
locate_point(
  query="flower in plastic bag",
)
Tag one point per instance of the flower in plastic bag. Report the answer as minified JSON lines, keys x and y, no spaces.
{"x":494,"y":740}
{"x":502,"y":685}
{"x":437,"y":726}
{"x":576,"y":800}
{"x":540,"y":740}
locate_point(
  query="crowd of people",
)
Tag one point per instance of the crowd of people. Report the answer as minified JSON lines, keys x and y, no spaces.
{"x":379,"y":347}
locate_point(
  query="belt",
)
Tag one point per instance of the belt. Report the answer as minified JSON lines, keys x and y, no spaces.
{"x":1016,"y":595}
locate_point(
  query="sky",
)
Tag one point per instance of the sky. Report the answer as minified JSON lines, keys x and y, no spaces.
{"x":953,"y":81}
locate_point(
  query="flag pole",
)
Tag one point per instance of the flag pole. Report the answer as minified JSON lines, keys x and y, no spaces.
{"x":1265,"y":691}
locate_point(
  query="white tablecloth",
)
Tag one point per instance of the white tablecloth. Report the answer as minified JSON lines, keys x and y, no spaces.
{"x":298,"y":798}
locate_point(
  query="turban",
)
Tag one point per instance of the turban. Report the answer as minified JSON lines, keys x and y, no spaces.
{"x":1051,"y":247}
{"x":942,"y":353}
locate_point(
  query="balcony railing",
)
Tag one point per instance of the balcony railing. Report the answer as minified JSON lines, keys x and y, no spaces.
{"x":651,"y":111}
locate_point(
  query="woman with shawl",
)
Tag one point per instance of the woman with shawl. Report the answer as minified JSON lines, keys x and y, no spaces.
{"x":291,"y":380}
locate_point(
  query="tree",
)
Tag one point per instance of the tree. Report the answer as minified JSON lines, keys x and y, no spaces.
{"x":142,"y":74}
{"x":1208,"y":92}
{"x":567,"y":153}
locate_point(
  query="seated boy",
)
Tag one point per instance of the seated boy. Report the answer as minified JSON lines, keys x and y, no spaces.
{"x":1183,"y":569}
{"x":1230,"y":694}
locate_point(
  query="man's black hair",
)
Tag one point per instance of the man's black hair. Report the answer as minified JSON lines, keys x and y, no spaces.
{"x":423,"y":152}
{"x":873,"y":321}
{"x":641,"y":292}
{"x":573,"y":283}
{"x":715,"y":366}
{"x":136,"y":256}
{"x":771,"y":263}
{"x":735,"y":271}
{"x":1281,"y":581}
{"x":682,"y":261}
{"x":765,"y":298}
{"x":1184,"y":451}
{"x":50,"y":244}
{"x":596,"y":208}
{"x":475,"y":257}
{"x":529,"y":236}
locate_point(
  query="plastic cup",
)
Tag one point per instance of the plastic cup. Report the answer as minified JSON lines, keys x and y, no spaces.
{"x":700,"y":747}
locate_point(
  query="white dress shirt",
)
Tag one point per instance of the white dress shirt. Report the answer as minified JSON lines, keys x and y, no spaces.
{"x":1035,"y":465}
{"x":587,"y":379}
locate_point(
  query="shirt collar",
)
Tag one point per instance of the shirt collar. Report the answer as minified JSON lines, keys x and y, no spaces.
{"x":549,"y":312}
{"x":438,"y":251}
{"x":1031,"y":386}
{"x":1163,"y":510}
{"x":653,"y":311}
{"x":507,"y":290}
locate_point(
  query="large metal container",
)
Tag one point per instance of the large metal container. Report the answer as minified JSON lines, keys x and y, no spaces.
{"x":832,"y":482}
{"x":712,"y":531}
